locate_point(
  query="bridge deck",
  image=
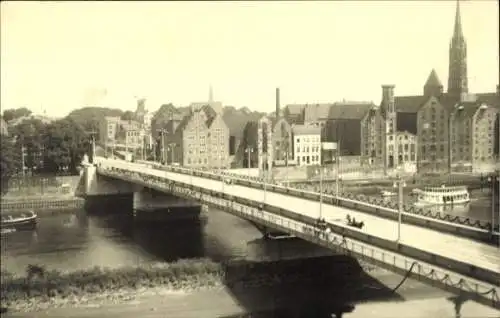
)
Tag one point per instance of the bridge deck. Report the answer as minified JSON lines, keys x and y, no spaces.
{"x":453,"y":247}
{"x":428,"y":240}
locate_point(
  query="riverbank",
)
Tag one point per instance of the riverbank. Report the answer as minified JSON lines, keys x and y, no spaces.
{"x":42,"y":203}
{"x":105,"y":286}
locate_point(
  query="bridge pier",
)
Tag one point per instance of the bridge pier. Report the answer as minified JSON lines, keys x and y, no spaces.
{"x":109,"y":203}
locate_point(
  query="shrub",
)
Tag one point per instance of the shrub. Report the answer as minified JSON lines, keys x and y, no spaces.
{"x":192,"y":273}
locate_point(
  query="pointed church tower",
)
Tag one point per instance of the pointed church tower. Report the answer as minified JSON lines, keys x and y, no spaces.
{"x":433,"y":86}
{"x":210,"y":94}
{"x":457,"y":76}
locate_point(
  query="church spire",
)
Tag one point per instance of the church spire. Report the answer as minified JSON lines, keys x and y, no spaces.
{"x":457,"y":72}
{"x":457,"y":31}
{"x":210,"y":94}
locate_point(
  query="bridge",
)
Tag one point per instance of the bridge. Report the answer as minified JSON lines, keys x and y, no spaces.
{"x":445,"y":254}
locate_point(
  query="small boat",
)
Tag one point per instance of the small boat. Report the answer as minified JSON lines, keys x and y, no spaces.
{"x":21,"y":220}
{"x":444,"y":195}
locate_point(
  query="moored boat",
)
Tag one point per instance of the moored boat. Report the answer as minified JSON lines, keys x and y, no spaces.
{"x":19,"y":220}
{"x":444,"y":195}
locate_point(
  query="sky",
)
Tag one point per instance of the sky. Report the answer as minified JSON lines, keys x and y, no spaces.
{"x":59,"y":56}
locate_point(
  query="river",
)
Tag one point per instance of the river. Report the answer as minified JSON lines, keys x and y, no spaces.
{"x":77,"y":240}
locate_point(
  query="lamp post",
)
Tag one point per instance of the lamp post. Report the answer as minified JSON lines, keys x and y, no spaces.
{"x":162,"y":134}
{"x":171,"y":147}
{"x":400,"y":184}
{"x":248,"y":151}
{"x":286,"y":167}
{"x":320,"y":172}
{"x":494,"y":182}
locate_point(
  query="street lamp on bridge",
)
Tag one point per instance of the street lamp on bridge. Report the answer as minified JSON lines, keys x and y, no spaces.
{"x":248,"y":151}
{"x":320,"y":172}
{"x":400,"y":184}
{"x":162,"y":132}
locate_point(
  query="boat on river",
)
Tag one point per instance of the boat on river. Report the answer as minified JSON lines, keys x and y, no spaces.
{"x":18,"y":220}
{"x":444,"y":195}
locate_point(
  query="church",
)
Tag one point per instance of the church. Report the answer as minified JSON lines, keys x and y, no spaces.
{"x":454,"y":130}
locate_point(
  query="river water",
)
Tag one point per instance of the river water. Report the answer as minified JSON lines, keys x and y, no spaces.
{"x":76,"y":240}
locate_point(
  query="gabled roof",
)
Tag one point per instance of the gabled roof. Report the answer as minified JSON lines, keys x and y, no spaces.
{"x":491,"y":99}
{"x":343,"y":110}
{"x":433,"y":79}
{"x":317,"y":111}
{"x":467,"y":109}
{"x":184,"y":122}
{"x":295,"y":109}
{"x":412,"y":104}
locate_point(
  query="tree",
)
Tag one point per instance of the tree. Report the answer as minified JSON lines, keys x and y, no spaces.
{"x":14,"y":113}
{"x":89,"y":118}
{"x":10,"y":162}
{"x":128,"y":115}
{"x":28,"y":135}
{"x":65,"y":142}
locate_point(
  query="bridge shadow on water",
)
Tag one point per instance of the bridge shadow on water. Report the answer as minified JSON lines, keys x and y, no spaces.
{"x":313,"y":287}
{"x":309,"y":287}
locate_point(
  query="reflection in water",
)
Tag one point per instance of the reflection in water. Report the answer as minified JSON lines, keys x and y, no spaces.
{"x":77,"y":240}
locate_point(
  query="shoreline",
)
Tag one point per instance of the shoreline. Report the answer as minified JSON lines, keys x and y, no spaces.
{"x":41,"y":203}
{"x":57,"y":289}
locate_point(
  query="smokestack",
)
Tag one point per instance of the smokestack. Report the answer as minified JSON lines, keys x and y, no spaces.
{"x":277,"y":102}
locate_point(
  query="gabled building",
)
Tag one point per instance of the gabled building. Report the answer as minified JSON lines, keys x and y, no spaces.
{"x":200,"y":140}
{"x":294,"y":113}
{"x":472,"y":136}
{"x":355,"y":128}
{"x":274,"y":140}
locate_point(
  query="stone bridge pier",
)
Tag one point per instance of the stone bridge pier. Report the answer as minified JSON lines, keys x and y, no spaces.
{"x":108,"y":195}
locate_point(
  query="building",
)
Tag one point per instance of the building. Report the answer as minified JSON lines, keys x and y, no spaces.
{"x":274,"y":139}
{"x":407,"y":146}
{"x":294,"y":113}
{"x":201,"y":139}
{"x":307,"y":145}
{"x":108,"y":128}
{"x":472,"y":136}
{"x":355,"y":127}
{"x":433,"y":116}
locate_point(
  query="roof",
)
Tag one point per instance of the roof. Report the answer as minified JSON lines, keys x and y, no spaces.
{"x":468,"y":109}
{"x":295,"y":109}
{"x":412,"y":104}
{"x":306,"y":130}
{"x":490,"y":99}
{"x":317,"y":111}
{"x":182,"y":125}
{"x":433,"y":79}
{"x":348,"y":110}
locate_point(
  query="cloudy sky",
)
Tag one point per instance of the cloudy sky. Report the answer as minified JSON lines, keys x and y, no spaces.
{"x":61,"y":56}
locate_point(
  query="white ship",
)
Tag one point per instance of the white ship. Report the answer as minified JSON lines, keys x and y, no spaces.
{"x":444,"y":195}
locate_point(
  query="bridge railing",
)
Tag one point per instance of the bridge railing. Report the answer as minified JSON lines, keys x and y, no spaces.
{"x":463,"y":226}
{"x":470,"y":288}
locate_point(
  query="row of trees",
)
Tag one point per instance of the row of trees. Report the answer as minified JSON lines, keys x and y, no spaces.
{"x":44,"y":147}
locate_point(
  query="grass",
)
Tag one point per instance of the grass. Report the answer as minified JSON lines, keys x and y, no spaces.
{"x":180,"y":275}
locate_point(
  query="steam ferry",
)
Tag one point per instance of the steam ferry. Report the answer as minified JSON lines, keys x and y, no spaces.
{"x":444,"y":195}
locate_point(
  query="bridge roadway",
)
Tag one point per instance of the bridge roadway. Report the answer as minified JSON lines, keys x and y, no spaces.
{"x":434,"y":242}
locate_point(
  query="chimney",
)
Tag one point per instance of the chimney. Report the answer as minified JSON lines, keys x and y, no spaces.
{"x":277,"y":102}
{"x":498,"y":91}
{"x":388,"y":98}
